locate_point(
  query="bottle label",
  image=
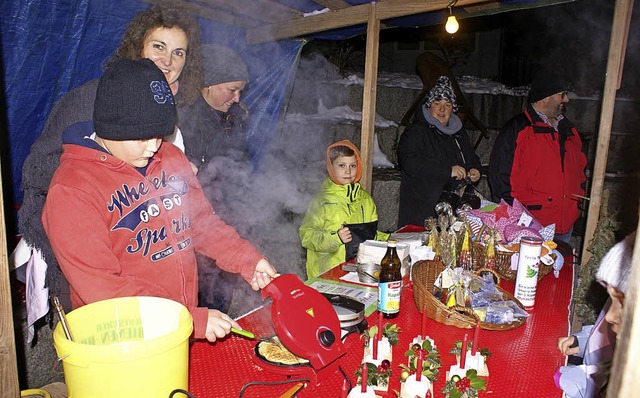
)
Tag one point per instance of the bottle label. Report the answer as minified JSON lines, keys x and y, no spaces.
{"x":527,"y":276}
{"x":389,"y":297}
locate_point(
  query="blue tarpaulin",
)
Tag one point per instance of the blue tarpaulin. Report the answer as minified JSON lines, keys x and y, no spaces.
{"x":52,"y":47}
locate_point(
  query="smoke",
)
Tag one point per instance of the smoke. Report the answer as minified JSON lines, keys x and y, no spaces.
{"x":266,"y":205}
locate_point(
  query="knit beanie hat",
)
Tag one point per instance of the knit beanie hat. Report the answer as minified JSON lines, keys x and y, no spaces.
{"x":615,"y":267}
{"x":222,"y":65}
{"x":442,"y":90}
{"x":356,"y":153}
{"x":545,"y":84}
{"x":133,"y":102}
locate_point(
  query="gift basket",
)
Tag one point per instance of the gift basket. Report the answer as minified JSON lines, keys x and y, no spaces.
{"x":425,"y":275}
{"x":497,"y":230}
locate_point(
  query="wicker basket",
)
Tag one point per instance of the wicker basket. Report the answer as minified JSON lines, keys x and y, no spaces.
{"x":424,"y":274}
{"x":503,"y":263}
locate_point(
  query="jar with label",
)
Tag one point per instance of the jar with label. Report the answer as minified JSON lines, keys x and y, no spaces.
{"x":527,"y":276}
{"x":390,"y":285}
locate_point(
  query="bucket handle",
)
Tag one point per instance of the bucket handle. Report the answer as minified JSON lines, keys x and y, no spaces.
{"x":54,"y":368}
{"x":181,"y":391}
{"x":35,"y":391}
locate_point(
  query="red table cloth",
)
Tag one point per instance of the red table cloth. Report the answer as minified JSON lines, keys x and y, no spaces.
{"x":522,"y":364}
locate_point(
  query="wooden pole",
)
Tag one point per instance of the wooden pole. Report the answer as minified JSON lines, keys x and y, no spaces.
{"x":9,"y":387}
{"x":619,"y":33}
{"x":369,"y":97}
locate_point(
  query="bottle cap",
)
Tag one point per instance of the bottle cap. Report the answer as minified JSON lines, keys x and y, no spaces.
{"x":391,"y":242}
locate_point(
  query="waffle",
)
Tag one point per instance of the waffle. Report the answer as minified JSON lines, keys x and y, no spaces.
{"x":274,"y":351}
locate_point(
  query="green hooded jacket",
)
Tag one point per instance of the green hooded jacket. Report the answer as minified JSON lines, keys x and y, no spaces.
{"x":332,"y":207}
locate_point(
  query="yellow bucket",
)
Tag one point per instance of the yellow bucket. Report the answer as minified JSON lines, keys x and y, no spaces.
{"x":126,"y":347}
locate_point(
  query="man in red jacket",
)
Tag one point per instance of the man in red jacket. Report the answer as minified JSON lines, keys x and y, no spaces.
{"x":125,"y":213}
{"x":537,"y":158}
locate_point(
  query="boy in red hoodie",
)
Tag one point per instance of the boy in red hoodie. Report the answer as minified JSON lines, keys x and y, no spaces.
{"x":125,"y":214}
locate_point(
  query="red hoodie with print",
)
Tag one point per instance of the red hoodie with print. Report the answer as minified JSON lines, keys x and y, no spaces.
{"x":118,"y":233}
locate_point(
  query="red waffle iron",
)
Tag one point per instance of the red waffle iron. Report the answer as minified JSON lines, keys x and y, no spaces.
{"x":307,"y":325}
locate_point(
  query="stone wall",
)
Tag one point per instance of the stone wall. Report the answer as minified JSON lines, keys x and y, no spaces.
{"x":493,"y":111}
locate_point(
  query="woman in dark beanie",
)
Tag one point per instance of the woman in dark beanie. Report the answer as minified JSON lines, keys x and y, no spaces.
{"x":595,"y":344}
{"x":164,"y":35}
{"x":213,"y":126}
{"x":125,"y":214}
{"x":434,"y":153}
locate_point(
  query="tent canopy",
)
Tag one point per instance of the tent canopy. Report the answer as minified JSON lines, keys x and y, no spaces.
{"x":51,"y":47}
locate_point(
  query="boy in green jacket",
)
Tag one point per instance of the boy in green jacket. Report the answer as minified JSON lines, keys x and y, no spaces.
{"x":341,"y":215}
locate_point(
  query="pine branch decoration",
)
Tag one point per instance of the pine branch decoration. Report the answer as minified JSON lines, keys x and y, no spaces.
{"x":589,"y":296}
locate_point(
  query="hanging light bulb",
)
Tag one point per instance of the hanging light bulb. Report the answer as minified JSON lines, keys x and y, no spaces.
{"x":452,"y":24}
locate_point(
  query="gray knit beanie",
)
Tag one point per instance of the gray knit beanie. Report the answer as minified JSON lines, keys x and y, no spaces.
{"x":133,"y":102}
{"x":222,"y":65}
{"x":442,"y":90}
{"x":615,"y":267}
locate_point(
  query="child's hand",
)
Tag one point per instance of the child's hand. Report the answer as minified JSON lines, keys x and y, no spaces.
{"x":219,"y":325}
{"x":344,"y":234}
{"x":263,"y":274}
{"x":565,"y":345}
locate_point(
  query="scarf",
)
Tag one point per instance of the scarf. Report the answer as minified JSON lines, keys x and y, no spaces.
{"x":455,"y":124}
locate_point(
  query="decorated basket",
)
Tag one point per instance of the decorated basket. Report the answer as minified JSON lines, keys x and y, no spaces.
{"x":503,"y":263}
{"x":424,"y":274}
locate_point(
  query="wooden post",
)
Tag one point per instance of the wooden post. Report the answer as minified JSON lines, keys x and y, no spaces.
{"x":9,"y":386}
{"x":617,"y":44}
{"x":369,"y":97}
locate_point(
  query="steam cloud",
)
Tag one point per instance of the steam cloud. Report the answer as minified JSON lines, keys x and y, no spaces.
{"x":266,"y":206}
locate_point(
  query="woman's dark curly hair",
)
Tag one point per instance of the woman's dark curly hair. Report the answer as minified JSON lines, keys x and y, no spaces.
{"x":141,"y":25}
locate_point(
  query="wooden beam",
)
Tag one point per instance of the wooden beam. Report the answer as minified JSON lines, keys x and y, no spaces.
{"x":496,"y":7}
{"x":369,"y":97}
{"x":261,"y":10}
{"x":619,"y":33}
{"x":8,"y":360}
{"x":625,"y":374}
{"x":208,"y":13}
{"x":333,"y":4}
{"x":355,"y":15}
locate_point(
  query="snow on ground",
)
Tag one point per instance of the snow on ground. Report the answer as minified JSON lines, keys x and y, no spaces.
{"x":468,"y":84}
{"x":338,"y":113}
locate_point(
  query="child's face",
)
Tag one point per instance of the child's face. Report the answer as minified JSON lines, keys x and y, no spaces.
{"x":614,"y":315}
{"x":134,"y":152}
{"x":344,"y":169}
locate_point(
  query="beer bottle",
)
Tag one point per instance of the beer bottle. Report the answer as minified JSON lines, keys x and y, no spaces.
{"x":390,"y":283}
